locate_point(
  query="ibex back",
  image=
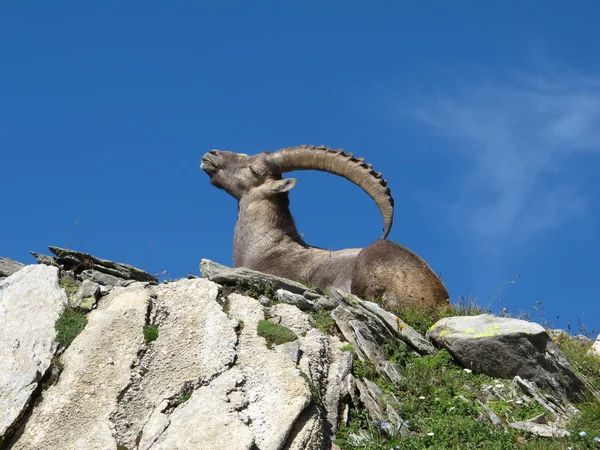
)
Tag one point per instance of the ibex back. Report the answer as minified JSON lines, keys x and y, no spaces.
{"x":266,"y":238}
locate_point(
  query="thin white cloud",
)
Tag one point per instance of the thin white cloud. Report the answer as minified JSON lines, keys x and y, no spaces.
{"x":520,"y":135}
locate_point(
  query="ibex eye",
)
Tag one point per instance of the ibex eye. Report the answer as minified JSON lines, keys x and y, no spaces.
{"x":253,"y":170}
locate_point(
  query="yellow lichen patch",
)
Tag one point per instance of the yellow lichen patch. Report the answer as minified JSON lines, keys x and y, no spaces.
{"x":444,"y":332}
{"x":488,"y":334}
{"x":436,"y":325}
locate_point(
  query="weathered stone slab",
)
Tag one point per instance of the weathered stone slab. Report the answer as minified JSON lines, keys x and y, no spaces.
{"x":296,"y":300}
{"x":30,"y":304}
{"x":104,"y":279}
{"x":367,"y":334}
{"x":86,"y":261}
{"x":44,"y":259}
{"x":8,"y":267}
{"x":225,"y":275}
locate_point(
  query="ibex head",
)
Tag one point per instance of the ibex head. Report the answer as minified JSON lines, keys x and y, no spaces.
{"x":259,"y":176}
{"x":244,"y":176}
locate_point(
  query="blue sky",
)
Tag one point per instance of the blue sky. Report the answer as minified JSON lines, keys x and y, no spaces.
{"x":484,"y":119}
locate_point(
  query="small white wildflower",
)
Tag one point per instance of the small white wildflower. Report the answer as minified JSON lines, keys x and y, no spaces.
{"x":421,"y":398}
{"x":519,"y":402}
{"x":385,"y":425}
{"x":597,"y":439}
{"x":583,"y":434}
{"x":499,"y":386}
{"x":468,"y":370}
{"x":430,"y":434}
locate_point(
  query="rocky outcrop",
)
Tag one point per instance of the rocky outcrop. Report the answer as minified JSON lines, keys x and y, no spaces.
{"x":183,"y":365}
{"x":504,"y":347}
{"x":30,"y":304}
{"x":119,"y":389}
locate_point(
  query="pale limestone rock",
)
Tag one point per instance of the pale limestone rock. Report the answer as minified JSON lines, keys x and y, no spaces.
{"x":276,"y":392}
{"x":196,"y":342}
{"x":30,"y":304}
{"x":75,"y":413}
{"x":208,"y":420}
{"x":550,"y":430}
{"x":596,"y":347}
{"x":292,"y":318}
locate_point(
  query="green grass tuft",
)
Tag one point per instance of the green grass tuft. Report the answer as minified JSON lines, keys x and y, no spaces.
{"x":69,"y":285}
{"x":69,"y":325}
{"x":324,"y":322}
{"x":150,"y":333}
{"x":184,"y":397}
{"x":275,"y":334}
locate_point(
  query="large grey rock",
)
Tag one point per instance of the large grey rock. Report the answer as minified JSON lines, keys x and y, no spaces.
{"x":83,"y":261}
{"x":75,"y":412}
{"x":30,"y":304}
{"x":8,"y":267}
{"x":504,"y":347}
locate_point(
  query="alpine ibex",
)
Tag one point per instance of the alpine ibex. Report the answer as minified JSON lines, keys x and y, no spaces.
{"x":266,"y":238}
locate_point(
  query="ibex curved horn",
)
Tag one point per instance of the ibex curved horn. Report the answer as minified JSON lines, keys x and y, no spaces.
{"x":340,"y":163}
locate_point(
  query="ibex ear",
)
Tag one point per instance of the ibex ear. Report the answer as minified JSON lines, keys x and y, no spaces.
{"x":281,"y":186}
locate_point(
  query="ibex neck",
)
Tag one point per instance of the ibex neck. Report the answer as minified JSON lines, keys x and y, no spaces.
{"x":263,"y":227}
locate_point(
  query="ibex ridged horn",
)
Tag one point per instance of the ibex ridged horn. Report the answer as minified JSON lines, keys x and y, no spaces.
{"x":337,"y":162}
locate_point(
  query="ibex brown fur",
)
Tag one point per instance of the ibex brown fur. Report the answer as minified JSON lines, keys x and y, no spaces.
{"x":266,"y":238}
